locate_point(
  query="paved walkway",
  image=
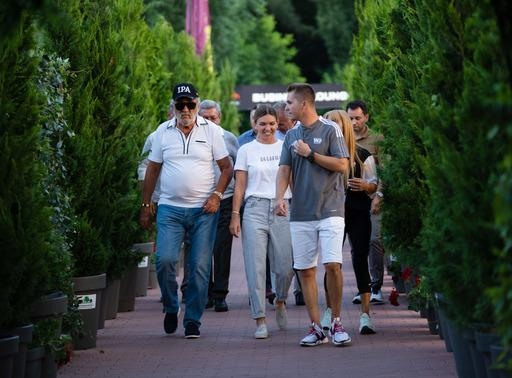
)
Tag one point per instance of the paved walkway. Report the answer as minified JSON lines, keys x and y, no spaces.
{"x":134,"y":344}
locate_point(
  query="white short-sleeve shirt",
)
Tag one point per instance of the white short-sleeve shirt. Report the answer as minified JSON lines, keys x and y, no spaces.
{"x":261,"y":161}
{"x":187,"y":177}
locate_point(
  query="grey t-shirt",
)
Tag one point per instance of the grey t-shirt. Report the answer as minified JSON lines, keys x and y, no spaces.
{"x":317,"y":192}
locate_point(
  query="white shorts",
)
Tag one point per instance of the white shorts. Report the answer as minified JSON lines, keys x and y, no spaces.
{"x":313,"y":237}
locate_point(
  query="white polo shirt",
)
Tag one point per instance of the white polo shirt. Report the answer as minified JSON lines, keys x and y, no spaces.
{"x":187,"y":177}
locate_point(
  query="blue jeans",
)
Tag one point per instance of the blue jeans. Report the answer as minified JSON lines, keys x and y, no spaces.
{"x":172,"y":224}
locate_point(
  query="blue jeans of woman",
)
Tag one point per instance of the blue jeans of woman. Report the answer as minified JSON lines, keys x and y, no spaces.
{"x":264,"y":233}
{"x":172,"y":224}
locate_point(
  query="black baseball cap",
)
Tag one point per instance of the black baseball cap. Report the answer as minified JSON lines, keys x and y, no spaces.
{"x":184,"y":90}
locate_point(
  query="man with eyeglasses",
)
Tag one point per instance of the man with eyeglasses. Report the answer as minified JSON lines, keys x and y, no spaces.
{"x":182,"y":154}
{"x":219,"y":278}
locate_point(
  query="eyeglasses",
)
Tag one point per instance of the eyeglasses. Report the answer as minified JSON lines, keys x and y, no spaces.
{"x":181,"y":105}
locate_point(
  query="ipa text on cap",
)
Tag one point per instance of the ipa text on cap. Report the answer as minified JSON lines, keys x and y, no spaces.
{"x":184,"y":90}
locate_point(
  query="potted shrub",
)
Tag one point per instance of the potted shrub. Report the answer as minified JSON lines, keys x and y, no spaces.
{"x":421,"y":299}
{"x":26,"y":231}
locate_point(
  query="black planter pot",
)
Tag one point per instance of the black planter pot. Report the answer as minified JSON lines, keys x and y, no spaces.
{"x":476,"y":357}
{"x":443,"y":322}
{"x":34,"y":362}
{"x":51,"y":305}
{"x":461,"y":351}
{"x":54,"y":306}
{"x":9,"y":346}
{"x":143,"y":267}
{"x":500,"y":360}
{"x":89,"y":291}
{"x":483,"y":342}
{"x":112,"y":299}
{"x":431,"y":316}
{"x":25,"y":337}
{"x":128,"y":290}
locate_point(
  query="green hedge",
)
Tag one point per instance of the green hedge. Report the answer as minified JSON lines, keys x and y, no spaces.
{"x":435,"y":76}
{"x":25,"y":226}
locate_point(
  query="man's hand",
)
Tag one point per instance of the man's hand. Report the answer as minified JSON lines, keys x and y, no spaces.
{"x":146,"y":217}
{"x":212,"y":204}
{"x":301,"y":148}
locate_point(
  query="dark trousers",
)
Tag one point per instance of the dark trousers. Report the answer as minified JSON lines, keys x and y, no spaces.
{"x":358,"y":227}
{"x":219,"y":279}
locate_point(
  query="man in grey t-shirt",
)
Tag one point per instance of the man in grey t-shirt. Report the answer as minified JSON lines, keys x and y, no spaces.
{"x":313,"y":159}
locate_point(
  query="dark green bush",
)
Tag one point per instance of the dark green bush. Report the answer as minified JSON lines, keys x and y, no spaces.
{"x":25,"y":226}
{"x":434,"y":75}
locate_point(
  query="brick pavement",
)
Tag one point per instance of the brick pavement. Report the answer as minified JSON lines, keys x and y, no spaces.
{"x":134,"y":344}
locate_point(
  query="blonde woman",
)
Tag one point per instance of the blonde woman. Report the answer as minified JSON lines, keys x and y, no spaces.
{"x":360,"y":185}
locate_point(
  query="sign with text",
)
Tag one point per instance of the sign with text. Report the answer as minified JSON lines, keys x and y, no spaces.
{"x":86,"y":302}
{"x":246,"y":97}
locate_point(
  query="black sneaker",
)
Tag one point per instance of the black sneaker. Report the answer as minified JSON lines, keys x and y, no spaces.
{"x":170,"y":322}
{"x":271,"y":296}
{"x":209,"y":304}
{"x":192,"y":331}
{"x":221,"y":305}
{"x":299,"y":299}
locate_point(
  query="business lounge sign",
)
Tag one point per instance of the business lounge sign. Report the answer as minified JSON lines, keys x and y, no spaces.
{"x":247,"y":97}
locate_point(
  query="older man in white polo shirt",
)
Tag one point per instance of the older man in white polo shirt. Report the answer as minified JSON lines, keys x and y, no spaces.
{"x":182,"y":154}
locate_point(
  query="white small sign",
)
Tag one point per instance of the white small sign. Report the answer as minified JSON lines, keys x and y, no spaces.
{"x":144,"y":262}
{"x":86,"y":302}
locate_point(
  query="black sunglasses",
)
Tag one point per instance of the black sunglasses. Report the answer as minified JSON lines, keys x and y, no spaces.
{"x":181,"y":105}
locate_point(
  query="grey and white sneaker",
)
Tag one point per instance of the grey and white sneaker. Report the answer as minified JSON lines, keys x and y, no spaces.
{"x":376,"y":298}
{"x":281,"y":317}
{"x":261,"y":332}
{"x":366,"y":326}
{"x":338,"y":334}
{"x":356,"y":299}
{"x":314,"y":337}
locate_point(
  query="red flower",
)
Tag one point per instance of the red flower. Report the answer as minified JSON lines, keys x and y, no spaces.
{"x":407,"y":273}
{"x":393,"y":297}
{"x":417,"y":281}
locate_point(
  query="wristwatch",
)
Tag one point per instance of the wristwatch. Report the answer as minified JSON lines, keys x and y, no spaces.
{"x":379,"y":194}
{"x":311,"y":156}
{"x":219,"y":194}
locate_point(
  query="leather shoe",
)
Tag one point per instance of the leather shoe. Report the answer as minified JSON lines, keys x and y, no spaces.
{"x":170,"y":322}
{"x":221,"y":305}
{"x":299,"y":299}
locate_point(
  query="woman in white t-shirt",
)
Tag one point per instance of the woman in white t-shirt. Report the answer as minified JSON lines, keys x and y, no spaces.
{"x":263,"y":232}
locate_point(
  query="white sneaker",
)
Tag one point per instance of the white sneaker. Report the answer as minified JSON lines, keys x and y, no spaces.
{"x":338,"y":334}
{"x":281,"y":317}
{"x":314,"y":337}
{"x":356,"y":299}
{"x":366,"y":325}
{"x":326,"y":319}
{"x":261,"y":332}
{"x":376,"y":298}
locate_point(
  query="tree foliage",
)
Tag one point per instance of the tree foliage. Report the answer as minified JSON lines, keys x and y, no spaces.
{"x":436,"y":81}
{"x":25,"y":227}
{"x":322,"y":32}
